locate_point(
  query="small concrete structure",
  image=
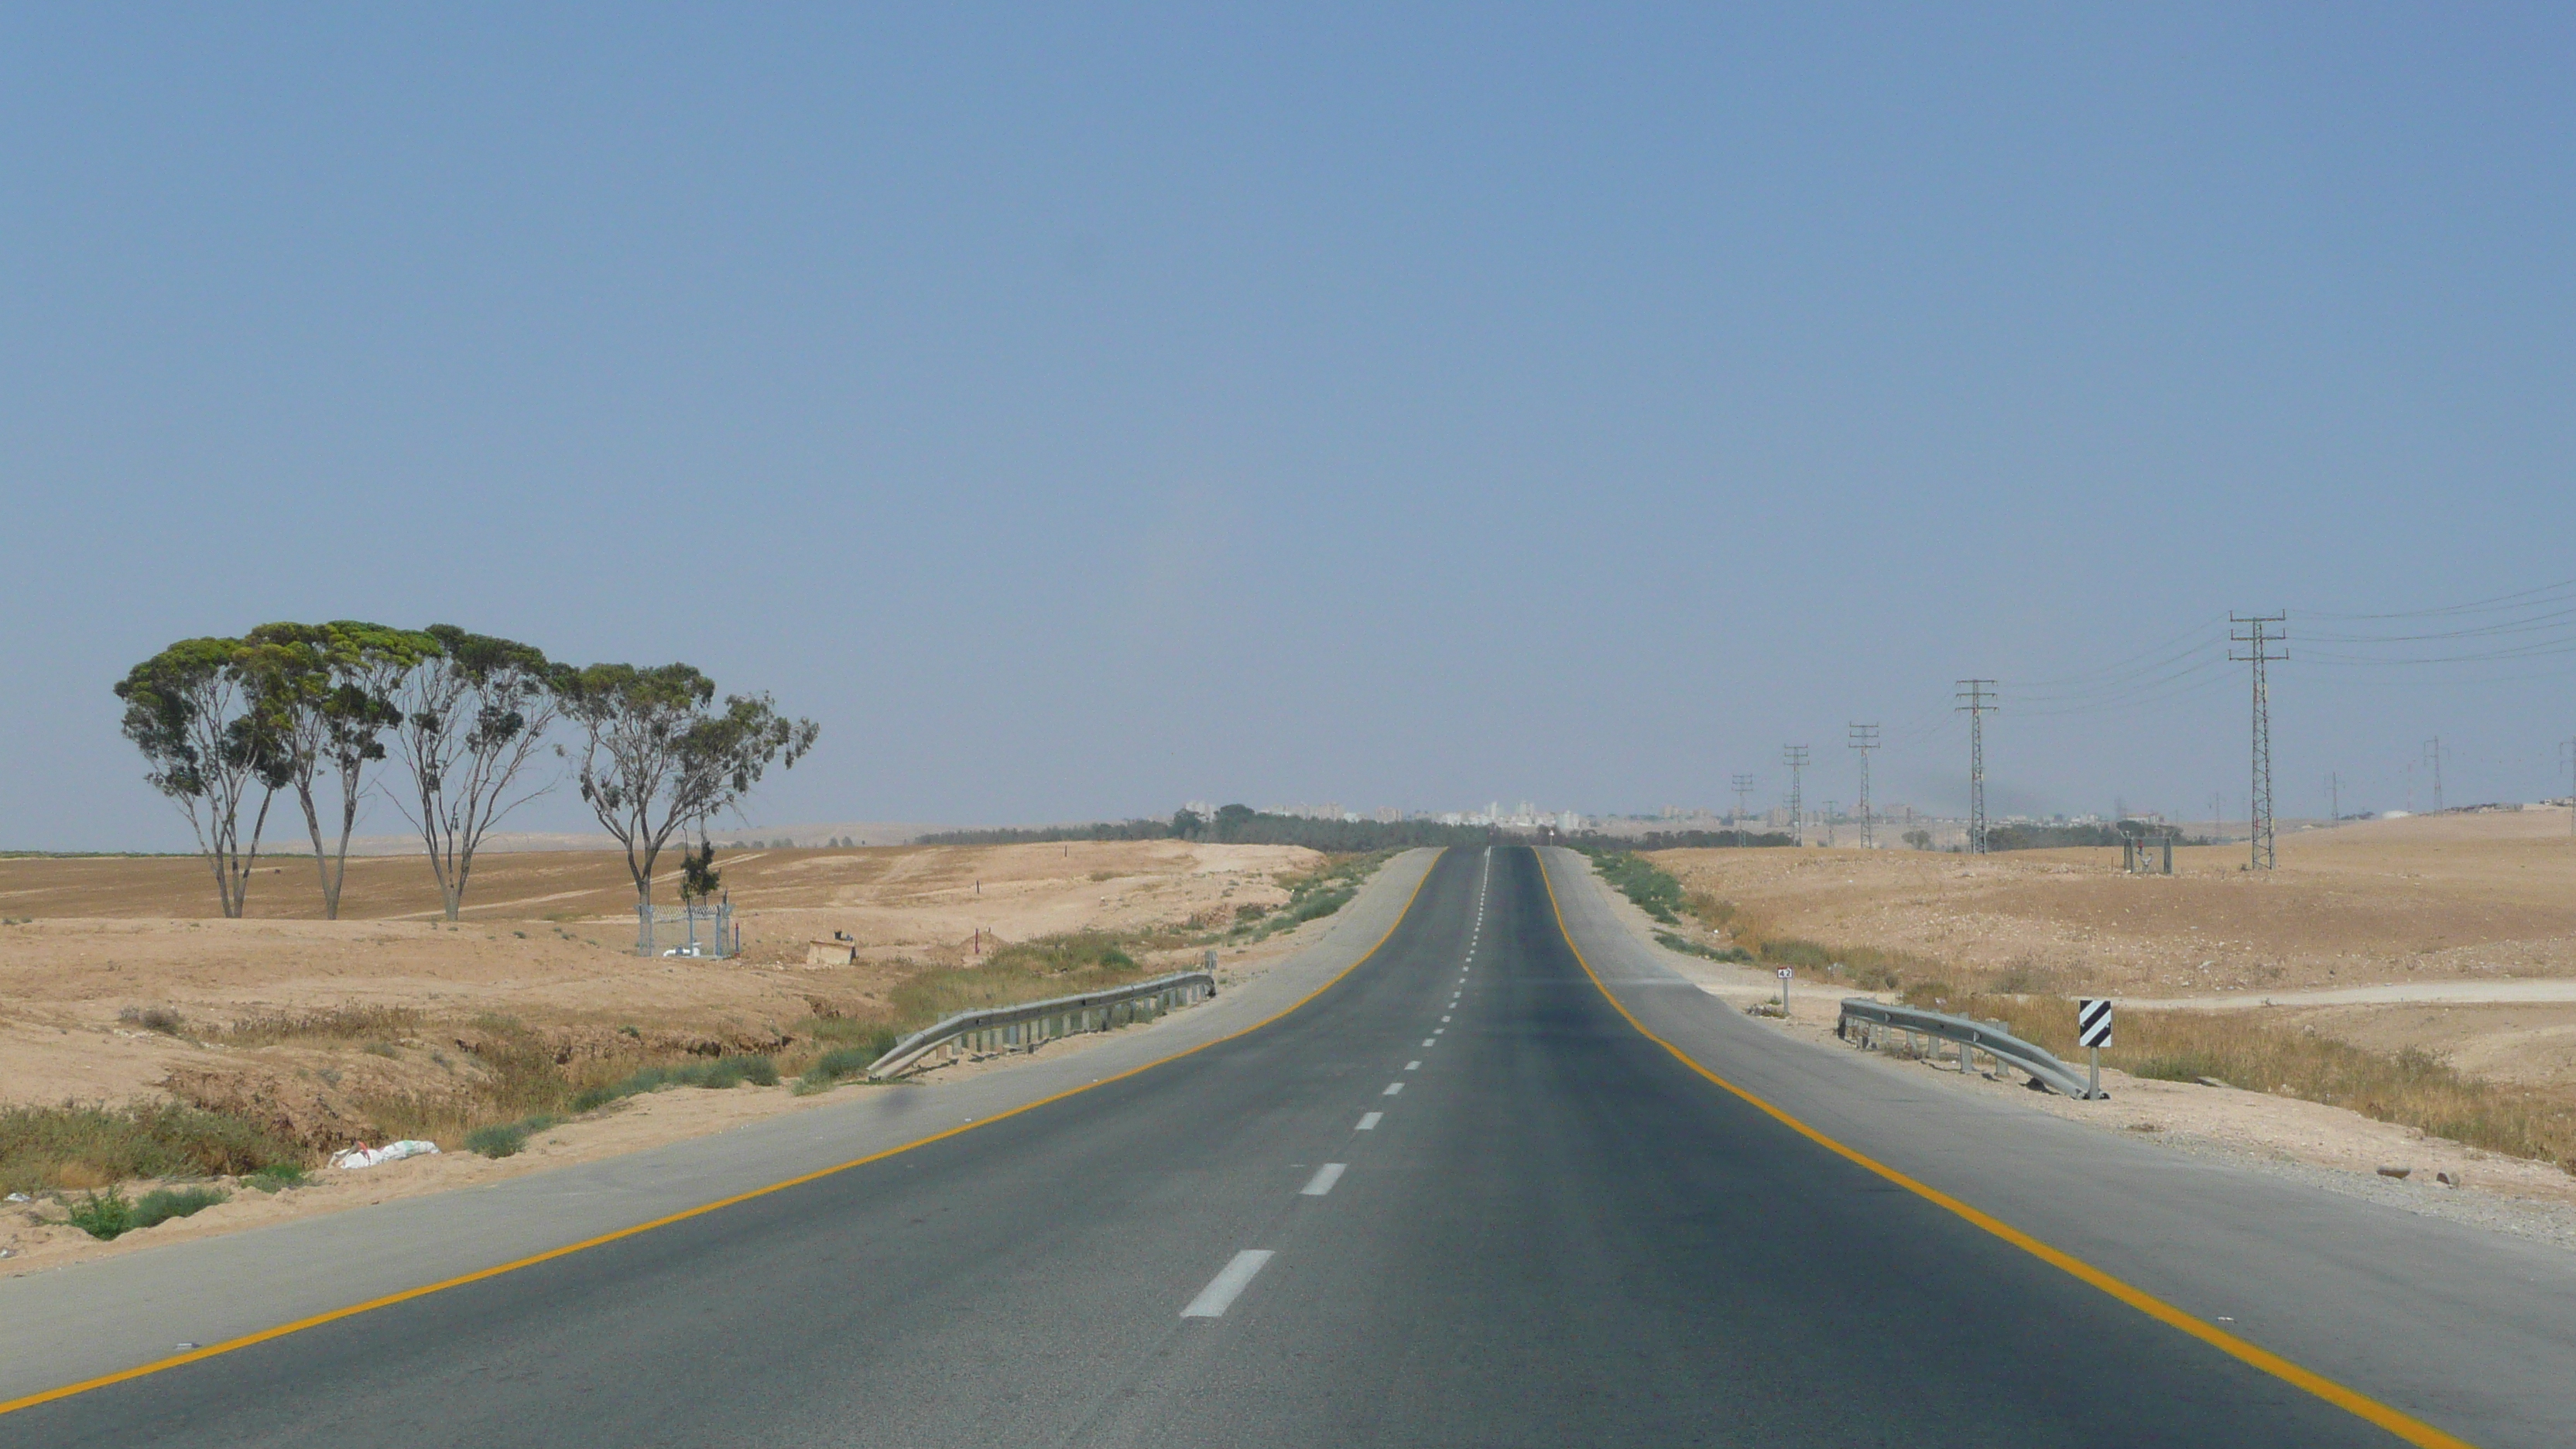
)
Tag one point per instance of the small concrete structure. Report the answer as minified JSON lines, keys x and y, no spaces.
{"x":831,"y":953}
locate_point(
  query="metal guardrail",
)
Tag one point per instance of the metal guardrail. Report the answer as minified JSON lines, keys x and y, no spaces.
{"x":1877,"y":1019}
{"x":1025,"y":1026}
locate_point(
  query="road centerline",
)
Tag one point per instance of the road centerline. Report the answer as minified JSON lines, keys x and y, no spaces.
{"x":1228,"y":1284}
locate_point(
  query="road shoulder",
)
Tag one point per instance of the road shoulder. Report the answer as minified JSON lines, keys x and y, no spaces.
{"x":2469,"y":1326}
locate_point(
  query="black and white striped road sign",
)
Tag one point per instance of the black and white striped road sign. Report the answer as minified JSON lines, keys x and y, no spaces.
{"x":2093,"y":1022}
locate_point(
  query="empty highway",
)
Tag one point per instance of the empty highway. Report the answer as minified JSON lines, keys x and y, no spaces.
{"x":1466,"y":1194}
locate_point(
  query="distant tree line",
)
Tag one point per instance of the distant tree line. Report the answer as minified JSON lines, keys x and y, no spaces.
{"x":323,"y":712}
{"x":1239,"y":825}
{"x":1243,"y":825}
{"x":2048,"y":837}
{"x":2060,"y":837}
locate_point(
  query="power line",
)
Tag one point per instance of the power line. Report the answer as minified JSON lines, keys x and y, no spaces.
{"x":1977,"y":693}
{"x":2433,"y":753}
{"x":2500,"y":601}
{"x":2194,"y":640}
{"x":1795,"y":757}
{"x":1864,"y":738}
{"x":2258,"y":805}
{"x":1743,"y":788}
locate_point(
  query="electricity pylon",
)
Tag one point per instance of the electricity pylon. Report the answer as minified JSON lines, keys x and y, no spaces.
{"x":2258,"y":652}
{"x":1979,"y":694}
{"x":1864,"y":738}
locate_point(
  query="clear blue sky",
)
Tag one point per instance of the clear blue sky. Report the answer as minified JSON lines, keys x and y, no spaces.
{"x":1078,"y":411}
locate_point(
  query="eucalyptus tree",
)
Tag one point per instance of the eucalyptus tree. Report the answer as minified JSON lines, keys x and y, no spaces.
{"x":195,"y":712}
{"x":657,"y":756}
{"x":328,"y":690}
{"x":474,"y":709}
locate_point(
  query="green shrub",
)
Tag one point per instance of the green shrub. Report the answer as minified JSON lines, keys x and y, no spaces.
{"x":277,"y":1175}
{"x":1311,"y":897}
{"x":164,"y":1203}
{"x":103,"y":1217}
{"x":78,"y":1143}
{"x":833,"y":1066}
{"x":504,"y":1139}
{"x":1063,"y":955}
{"x":108,"y":1216}
{"x":1654,"y":889}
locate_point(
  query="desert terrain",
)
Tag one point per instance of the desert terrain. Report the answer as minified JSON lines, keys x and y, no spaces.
{"x":2461,"y":927}
{"x":118,"y":991}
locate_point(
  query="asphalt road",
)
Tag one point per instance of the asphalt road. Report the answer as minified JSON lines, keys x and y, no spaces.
{"x":1456,"y":1199}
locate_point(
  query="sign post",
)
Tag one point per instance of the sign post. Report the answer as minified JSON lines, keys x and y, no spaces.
{"x":2093,"y":1030}
{"x":1784,"y":991}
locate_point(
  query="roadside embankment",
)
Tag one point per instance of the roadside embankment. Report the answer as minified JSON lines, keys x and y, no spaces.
{"x":2251,"y":1082}
{"x":516,"y":1048}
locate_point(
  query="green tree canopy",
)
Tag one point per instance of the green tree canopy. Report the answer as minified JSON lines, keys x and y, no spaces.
{"x":195,"y":710}
{"x":327,"y":693}
{"x":473,"y":712}
{"x":658,"y":755}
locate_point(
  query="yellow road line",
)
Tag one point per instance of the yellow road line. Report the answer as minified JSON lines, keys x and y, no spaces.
{"x":231,"y":1345}
{"x":2404,"y":1426}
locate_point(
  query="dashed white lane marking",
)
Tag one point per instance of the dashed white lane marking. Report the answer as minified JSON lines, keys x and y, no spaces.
{"x":1227,"y":1285}
{"x":1413,"y":1066}
{"x":1391,"y":1089}
{"x":1435,"y":1031}
{"x":1426,"y":1041}
{"x":1444,"y":1018}
{"x":1323,"y":1180}
{"x":1369,"y":1121}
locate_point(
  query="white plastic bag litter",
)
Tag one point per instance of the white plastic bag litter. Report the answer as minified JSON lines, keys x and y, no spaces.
{"x":390,"y":1152}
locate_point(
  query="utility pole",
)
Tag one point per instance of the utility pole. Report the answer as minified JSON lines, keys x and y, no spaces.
{"x":1829,"y":822}
{"x":2433,"y":757}
{"x":2334,"y":799}
{"x":1795,"y":757}
{"x":2258,"y":652}
{"x":1864,"y":738}
{"x":2568,"y":748}
{"x":1743,"y":788}
{"x":1979,"y":694}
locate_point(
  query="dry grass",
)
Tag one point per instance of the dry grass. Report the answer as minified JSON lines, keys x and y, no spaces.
{"x":336,"y":1024}
{"x":89,"y":1145}
{"x":2410,"y":1088}
{"x":1868,"y":967}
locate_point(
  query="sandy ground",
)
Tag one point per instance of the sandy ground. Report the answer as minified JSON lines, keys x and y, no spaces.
{"x":34,"y":1240}
{"x":64,"y":982}
{"x":2459,"y":930}
{"x":2327,"y":1147}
